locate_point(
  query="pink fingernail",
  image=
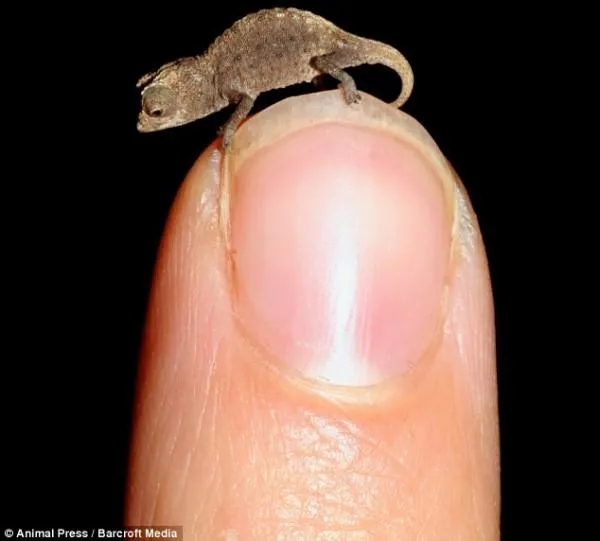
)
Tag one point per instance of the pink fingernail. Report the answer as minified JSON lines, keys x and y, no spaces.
{"x":341,"y":239}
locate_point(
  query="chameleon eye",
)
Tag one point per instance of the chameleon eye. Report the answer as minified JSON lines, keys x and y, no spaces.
{"x":158,"y":101}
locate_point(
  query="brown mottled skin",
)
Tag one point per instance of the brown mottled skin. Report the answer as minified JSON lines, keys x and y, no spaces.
{"x":272,"y":48}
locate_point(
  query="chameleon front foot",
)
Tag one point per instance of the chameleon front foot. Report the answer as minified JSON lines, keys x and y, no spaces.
{"x":226,"y":132}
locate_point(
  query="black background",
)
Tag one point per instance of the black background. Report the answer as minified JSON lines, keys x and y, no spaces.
{"x":91,"y":197}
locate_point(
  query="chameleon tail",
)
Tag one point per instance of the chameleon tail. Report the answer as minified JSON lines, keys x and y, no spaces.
{"x":390,"y":57}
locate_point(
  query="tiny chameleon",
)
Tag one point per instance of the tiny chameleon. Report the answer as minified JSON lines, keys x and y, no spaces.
{"x":269,"y":49}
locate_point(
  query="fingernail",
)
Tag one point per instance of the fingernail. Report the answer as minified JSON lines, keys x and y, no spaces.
{"x":342,"y":238}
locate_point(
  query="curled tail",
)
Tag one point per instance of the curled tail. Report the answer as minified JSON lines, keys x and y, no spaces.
{"x":388,"y":56}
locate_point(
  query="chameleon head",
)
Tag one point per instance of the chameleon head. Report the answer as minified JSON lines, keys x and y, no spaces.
{"x":178,"y":93}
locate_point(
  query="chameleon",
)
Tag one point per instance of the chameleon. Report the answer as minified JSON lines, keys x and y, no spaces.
{"x":270,"y":49}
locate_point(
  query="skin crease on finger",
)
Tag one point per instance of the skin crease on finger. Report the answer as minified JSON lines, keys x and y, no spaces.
{"x":231,"y":444}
